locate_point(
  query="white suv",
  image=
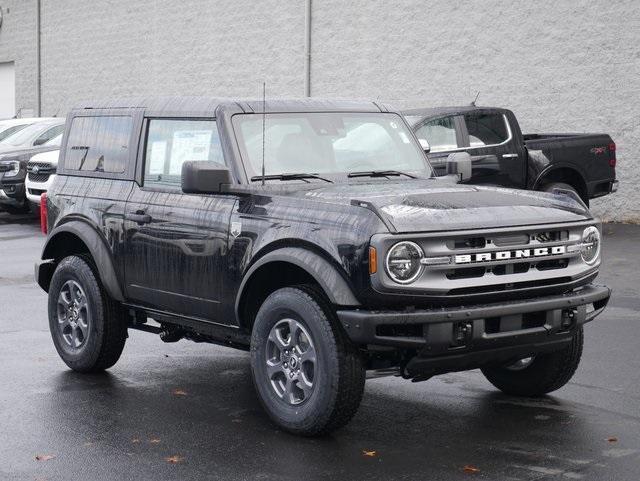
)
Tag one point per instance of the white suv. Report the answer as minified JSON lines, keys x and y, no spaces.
{"x":41,"y":170}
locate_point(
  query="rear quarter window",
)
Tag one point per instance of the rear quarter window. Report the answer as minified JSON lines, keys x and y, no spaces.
{"x":99,"y":144}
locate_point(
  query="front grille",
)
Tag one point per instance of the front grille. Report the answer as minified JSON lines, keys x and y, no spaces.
{"x":38,"y":177}
{"x":493,"y":261}
{"x":40,"y":171}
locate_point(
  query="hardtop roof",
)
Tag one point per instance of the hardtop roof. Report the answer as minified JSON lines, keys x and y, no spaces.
{"x":425,"y":112}
{"x":206,"y":106}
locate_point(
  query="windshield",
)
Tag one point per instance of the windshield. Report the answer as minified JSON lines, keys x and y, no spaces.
{"x":7,"y":130}
{"x":25,"y":135}
{"x":327,"y":143}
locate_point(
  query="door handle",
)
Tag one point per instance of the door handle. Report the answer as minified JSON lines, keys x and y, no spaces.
{"x":139,"y":217}
{"x":509,"y":156}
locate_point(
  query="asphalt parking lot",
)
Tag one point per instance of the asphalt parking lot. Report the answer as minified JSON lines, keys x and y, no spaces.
{"x":188,"y":411}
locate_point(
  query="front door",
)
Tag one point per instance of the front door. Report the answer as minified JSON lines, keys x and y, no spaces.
{"x":176,"y":243}
{"x":444,"y":135}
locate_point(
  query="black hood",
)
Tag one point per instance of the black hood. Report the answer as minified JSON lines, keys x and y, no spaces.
{"x":437,"y":205}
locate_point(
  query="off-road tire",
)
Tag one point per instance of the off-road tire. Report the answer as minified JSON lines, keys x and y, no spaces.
{"x":108,"y":329}
{"x":340,"y":377}
{"x":546,"y":373}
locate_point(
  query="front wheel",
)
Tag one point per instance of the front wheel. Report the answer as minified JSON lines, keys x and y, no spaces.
{"x":308,"y":375}
{"x":538,"y":375}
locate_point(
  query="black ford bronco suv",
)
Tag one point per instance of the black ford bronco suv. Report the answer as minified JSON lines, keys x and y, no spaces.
{"x":314,"y":234}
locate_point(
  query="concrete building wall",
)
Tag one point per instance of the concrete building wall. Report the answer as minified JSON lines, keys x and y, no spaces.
{"x":560,"y":65}
{"x":17,"y":44}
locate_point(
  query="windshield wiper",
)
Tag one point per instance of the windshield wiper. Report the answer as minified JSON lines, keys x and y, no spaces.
{"x":380,"y":173}
{"x":302,"y":176}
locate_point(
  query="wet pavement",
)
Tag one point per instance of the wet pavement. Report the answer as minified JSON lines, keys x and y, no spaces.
{"x":188,"y":411}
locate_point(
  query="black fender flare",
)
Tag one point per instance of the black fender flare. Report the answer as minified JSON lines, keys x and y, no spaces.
{"x":98,"y":249}
{"x":538,"y":182}
{"x":325,"y":274}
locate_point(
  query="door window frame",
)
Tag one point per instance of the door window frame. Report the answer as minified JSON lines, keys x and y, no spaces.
{"x":142,"y":153}
{"x":458,"y":123}
{"x":136,"y":117}
{"x":465,"y":131}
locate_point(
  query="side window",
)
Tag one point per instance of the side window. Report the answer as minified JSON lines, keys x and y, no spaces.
{"x":99,"y":144}
{"x":486,"y":129}
{"x":440,"y":133}
{"x":49,"y":134}
{"x":172,"y":142}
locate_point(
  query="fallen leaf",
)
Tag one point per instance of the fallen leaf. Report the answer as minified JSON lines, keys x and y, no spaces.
{"x":174,"y":459}
{"x":470,"y":469}
{"x":612,"y":439}
{"x":370,"y":454}
{"x":44,"y":457}
{"x":154,"y":441}
{"x":179,"y":392}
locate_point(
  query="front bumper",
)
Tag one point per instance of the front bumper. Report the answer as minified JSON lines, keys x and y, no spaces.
{"x":12,"y":192}
{"x":470,"y":336}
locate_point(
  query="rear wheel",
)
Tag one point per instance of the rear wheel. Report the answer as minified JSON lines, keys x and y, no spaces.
{"x":88,"y":328}
{"x":538,"y":375}
{"x":561,"y":185}
{"x":308,"y":375}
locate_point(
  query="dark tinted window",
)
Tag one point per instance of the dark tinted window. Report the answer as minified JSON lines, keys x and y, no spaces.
{"x":99,"y":144}
{"x":172,"y":142}
{"x":486,"y":129}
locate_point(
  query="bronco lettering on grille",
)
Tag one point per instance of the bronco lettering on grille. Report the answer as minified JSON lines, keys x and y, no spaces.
{"x":513,"y":254}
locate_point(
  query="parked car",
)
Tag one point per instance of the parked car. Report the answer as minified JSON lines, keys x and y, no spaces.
{"x":315,"y":235}
{"x":503,"y":156}
{"x":13,"y":172}
{"x":41,"y":171}
{"x":11,"y":126}
{"x":34,"y":135}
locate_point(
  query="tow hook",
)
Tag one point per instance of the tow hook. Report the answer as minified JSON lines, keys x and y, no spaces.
{"x":568,"y":318}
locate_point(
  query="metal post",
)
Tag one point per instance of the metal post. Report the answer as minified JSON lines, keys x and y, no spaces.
{"x":307,"y":49}
{"x":38,"y":59}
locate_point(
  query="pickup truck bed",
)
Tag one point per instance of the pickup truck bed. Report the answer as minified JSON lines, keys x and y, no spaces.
{"x":501,"y":155}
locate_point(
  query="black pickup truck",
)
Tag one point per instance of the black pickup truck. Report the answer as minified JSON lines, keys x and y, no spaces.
{"x":316,"y":235}
{"x":503,"y":156}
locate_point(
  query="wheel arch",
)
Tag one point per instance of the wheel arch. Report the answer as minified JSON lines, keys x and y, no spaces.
{"x":568,"y":175}
{"x":77,"y":237}
{"x":286,"y":267}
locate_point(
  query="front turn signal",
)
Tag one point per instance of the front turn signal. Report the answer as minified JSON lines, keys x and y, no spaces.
{"x":373,"y":260}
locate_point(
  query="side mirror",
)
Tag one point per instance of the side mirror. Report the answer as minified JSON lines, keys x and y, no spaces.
{"x":40,"y":141}
{"x":459,"y":163}
{"x":200,"y":177}
{"x":425,"y":145}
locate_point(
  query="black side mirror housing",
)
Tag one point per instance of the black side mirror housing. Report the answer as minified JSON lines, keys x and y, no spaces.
{"x":38,"y":142}
{"x":459,"y":163}
{"x":203,"y":177}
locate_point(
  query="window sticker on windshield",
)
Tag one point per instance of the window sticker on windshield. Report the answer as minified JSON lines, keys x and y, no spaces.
{"x":393,"y":125}
{"x":404,"y":137}
{"x":189,"y":145}
{"x":158,"y":154}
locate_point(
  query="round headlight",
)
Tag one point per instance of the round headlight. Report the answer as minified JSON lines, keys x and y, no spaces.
{"x":590,"y":250}
{"x":403,"y":262}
